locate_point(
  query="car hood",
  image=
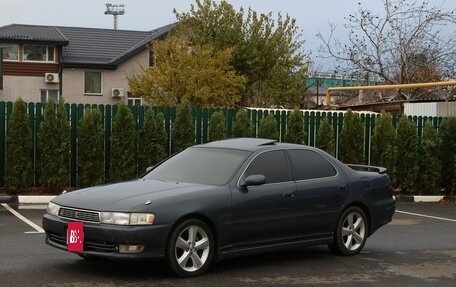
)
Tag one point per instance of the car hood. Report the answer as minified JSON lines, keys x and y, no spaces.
{"x":127,"y":196}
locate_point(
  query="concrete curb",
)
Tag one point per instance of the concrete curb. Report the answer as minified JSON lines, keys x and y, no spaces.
{"x":419,"y":198}
{"x":35,"y":199}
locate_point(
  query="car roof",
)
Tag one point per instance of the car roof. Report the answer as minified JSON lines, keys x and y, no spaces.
{"x":249,"y":144}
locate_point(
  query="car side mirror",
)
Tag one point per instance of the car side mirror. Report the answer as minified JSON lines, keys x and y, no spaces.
{"x":254,"y":179}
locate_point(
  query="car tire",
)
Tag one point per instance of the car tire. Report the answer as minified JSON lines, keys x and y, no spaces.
{"x":190,"y":248}
{"x":351,"y":233}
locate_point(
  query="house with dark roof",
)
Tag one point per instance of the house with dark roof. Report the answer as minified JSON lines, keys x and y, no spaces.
{"x":82,"y":65}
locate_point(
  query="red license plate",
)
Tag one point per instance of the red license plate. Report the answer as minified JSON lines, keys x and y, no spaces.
{"x":75,"y":236}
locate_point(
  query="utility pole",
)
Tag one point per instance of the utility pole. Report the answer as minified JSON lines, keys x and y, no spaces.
{"x":115,"y":10}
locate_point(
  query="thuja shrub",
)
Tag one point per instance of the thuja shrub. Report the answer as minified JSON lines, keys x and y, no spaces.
{"x":183,"y":134}
{"x":448,"y":154}
{"x":243,"y":125}
{"x":123,"y":145}
{"x":217,"y":127}
{"x":152,"y":141}
{"x":18,"y":169}
{"x":383,"y":144}
{"x":429,"y":162}
{"x":295,"y":132}
{"x":268,"y":128}
{"x":351,"y":139}
{"x":325,"y":137}
{"x":407,"y":161}
{"x":54,"y":144}
{"x":91,"y":149}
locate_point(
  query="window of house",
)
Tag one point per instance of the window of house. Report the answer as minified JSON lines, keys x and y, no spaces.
{"x":48,"y":95}
{"x":134,"y":101}
{"x":308,"y":164}
{"x":92,"y":83}
{"x":41,"y":53}
{"x":10,"y":52}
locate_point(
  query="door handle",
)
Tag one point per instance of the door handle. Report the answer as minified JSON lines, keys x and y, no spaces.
{"x":288,"y":194}
{"x":342,"y":187}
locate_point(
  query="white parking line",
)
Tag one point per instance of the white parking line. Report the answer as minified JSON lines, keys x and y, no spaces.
{"x":18,"y":215}
{"x":427,"y":216}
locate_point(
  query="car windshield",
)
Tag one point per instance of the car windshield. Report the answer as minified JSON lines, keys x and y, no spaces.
{"x":210,"y":166}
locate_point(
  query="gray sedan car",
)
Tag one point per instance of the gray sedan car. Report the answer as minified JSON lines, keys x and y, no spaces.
{"x":224,"y":199}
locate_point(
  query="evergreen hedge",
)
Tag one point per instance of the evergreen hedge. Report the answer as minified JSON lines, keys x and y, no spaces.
{"x":295,"y":128}
{"x":123,"y":145}
{"x":325,"y":137}
{"x":415,"y":167}
{"x":217,"y":127}
{"x":448,"y":154}
{"x":54,"y":144}
{"x":351,"y":139}
{"x":268,"y":128}
{"x":242,"y":127}
{"x":152,"y":141}
{"x":429,"y":162}
{"x":384,"y":144}
{"x":91,"y":149}
{"x":407,"y":161}
{"x":19,"y":146}
{"x":183,"y":128}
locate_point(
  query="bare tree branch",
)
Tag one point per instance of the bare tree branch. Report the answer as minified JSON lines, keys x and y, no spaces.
{"x":407,"y":42}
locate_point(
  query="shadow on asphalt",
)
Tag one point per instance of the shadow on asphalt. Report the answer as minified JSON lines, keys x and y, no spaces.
{"x":157,"y":269}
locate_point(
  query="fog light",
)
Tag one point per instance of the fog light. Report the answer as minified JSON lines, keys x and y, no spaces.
{"x":131,"y":248}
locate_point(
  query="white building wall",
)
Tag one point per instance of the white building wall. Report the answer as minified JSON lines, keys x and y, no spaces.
{"x":436,"y":109}
{"x":73,"y":81}
{"x":25,"y":87}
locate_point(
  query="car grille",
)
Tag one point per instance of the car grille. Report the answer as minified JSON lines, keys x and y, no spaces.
{"x":89,"y":245}
{"x":79,"y":215}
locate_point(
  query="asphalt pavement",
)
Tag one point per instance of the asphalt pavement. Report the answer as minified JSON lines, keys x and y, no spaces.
{"x":418,"y":248}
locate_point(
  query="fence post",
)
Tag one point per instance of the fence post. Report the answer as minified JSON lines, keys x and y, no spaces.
{"x":306,"y":127}
{"x":2,"y":143}
{"x":420,"y":126}
{"x":198,"y":118}
{"x":283,"y":125}
{"x":230,"y":115}
{"x":312,"y":129}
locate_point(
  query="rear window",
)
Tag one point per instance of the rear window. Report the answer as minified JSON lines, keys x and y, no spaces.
{"x":309,"y":164}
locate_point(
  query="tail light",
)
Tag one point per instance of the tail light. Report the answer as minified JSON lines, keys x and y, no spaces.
{"x":392,"y":191}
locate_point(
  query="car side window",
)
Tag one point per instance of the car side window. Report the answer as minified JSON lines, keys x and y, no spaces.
{"x":309,"y":164}
{"x":273,"y":165}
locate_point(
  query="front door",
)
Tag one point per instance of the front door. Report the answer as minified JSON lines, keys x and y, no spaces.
{"x":267,"y":213}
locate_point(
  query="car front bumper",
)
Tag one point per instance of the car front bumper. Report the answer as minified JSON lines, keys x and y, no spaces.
{"x":103,"y":240}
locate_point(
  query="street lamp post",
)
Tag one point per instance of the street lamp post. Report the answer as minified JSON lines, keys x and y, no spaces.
{"x":115,"y":10}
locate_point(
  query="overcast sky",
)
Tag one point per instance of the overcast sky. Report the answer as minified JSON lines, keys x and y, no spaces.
{"x":312,"y":16}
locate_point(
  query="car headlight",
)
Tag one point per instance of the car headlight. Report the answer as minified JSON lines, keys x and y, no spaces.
{"x":53,"y":209}
{"x":142,"y":218}
{"x":121,"y":218}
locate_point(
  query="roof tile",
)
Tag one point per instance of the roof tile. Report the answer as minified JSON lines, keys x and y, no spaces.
{"x":85,"y":46}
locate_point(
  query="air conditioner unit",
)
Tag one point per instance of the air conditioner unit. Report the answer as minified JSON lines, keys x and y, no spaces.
{"x":117,"y":92}
{"x":51,"y":78}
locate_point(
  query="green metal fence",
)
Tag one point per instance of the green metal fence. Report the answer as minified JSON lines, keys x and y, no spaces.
{"x":201,"y":118}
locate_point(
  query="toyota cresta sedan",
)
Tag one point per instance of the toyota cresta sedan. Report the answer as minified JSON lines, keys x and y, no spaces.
{"x":224,"y":199}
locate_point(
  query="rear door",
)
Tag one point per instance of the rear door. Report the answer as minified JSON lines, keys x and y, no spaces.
{"x":266,"y":213}
{"x":321,"y":191}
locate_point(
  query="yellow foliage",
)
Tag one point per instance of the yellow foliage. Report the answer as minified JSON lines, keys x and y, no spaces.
{"x":196,"y":74}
